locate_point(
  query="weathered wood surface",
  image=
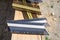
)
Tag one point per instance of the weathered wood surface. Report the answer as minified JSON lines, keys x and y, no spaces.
{"x":25,"y":37}
{"x":18,"y":15}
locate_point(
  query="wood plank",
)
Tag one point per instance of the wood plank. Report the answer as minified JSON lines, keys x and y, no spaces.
{"x":18,"y":15}
{"x":25,"y":7}
{"x":25,"y":37}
